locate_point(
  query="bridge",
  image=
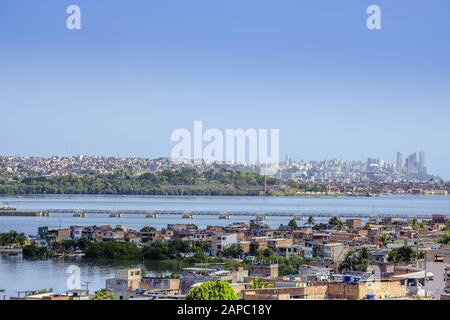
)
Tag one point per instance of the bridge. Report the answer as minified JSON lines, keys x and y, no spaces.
{"x":243,"y":213}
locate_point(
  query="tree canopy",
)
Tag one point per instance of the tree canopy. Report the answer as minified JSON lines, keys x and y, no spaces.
{"x":217,"y":290}
{"x":104,"y":295}
{"x":405,"y":254}
{"x":356,"y":261}
{"x":293,"y":224}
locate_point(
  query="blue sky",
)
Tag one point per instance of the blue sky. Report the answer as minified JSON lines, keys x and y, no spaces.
{"x":140,"y":69}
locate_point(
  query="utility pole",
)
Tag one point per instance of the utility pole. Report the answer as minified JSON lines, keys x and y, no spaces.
{"x":265,"y":184}
{"x":425,"y":264}
{"x":86,"y":284}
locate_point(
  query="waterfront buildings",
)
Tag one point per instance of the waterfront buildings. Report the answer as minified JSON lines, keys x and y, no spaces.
{"x":268,"y":254}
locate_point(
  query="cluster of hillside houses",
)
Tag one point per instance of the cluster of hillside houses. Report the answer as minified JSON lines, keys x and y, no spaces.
{"x":324,"y":248}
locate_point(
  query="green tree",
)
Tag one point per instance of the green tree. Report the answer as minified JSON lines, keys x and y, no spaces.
{"x":157,"y":250}
{"x":258,"y":283}
{"x":384,"y":239}
{"x":356,"y":261}
{"x":233,"y":251}
{"x":415,"y":224}
{"x":148,"y":229}
{"x":264,"y":253}
{"x":293,"y":224}
{"x":445,"y":239}
{"x":218,"y":290}
{"x":310,"y":222}
{"x":405,"y":254}
{"x":201,"y":246}
{"x":336,"y":223}
{"x":114,"y":250}
{"x":12,"y":239}
{"x":33,"y":252}
{"x":347,"y":264}
{"x":178,"y":247}
{"x":104,"y":295}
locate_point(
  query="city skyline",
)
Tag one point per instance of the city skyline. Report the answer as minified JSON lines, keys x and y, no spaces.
{"x":323,"y":170}
{"x":134,"y":73}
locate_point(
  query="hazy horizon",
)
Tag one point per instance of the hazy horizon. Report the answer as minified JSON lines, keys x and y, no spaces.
{"x":137,"y":71}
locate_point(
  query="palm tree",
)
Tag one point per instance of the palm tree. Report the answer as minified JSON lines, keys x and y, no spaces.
{"x":310,"y":221}
{"x":12,"y":238}
{"x":336,"y":223}
{"x":363,"y":259}
{"x":356,"y":261}
{"x":348,"y":263}
{"x":415,"y":224}
{"x":384,"y":239}
{"x":293,"y":224}
{"x":258,"y":283}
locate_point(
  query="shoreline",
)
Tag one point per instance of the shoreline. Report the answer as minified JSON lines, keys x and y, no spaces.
{"x":313,"y":196}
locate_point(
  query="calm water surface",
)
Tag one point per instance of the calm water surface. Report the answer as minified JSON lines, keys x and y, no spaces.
{"x":18,"y":274}
{"x":409,"y":205}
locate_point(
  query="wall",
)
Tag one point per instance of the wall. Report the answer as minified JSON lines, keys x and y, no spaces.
{"x":381,"y":289}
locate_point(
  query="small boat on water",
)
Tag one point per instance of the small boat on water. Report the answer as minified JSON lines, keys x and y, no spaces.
{"x":224,"y":217}
{"x":116,"y":215}
{"x":298,"y":217}
{"x":261,"y":217}
{"x":188,"y":216}
{"x":151,"y":215}
{"x":4,"y":207}
{"x":80,"y":215}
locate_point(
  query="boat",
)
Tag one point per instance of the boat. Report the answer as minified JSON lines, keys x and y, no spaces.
{"x":151,"y":215}
{"x":261,"y":217}
{"x":116,"y":215}
{"x":298,"y":218}
{"x":188,"y":216}
{"x":7,"y":208}
{"x":224,"y":217}
{"x":80,"y":215}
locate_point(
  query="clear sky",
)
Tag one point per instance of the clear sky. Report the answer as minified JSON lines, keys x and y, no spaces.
{"x":139,"y":69}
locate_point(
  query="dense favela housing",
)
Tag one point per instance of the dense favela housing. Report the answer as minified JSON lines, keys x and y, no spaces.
{"x":352,"y":259}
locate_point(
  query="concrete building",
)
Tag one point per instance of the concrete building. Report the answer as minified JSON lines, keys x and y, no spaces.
{"x":125,"y":283}
{"x":222,"y":241}
{"x":264,"y":270}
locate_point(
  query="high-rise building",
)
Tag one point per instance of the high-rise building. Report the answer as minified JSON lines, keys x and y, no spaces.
{"x":422,"y":169}
{"x":399,"y":163}
{"x":412,"y":164}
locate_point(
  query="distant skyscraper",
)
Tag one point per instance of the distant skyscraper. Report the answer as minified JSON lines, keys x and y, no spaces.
{"x":412,"y":165}
{"x":399,"y":164}
{"x":422,"y":169}
{"x":415,"y":164}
